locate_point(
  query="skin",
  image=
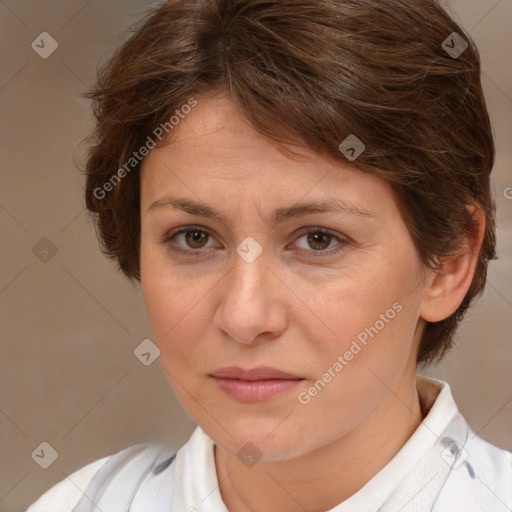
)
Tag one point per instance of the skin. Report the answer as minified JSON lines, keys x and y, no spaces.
{"x":285,"y":310}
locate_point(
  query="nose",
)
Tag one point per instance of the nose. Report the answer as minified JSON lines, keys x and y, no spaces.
{"x":251,"y":307}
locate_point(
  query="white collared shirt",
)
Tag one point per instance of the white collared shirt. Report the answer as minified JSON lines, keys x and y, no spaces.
{"x":443,"y":467}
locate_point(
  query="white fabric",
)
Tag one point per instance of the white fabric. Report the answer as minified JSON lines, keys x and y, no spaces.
{"x":443,"y":467}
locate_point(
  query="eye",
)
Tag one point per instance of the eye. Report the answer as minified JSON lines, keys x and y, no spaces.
{"x":319,"y":239}
{"x":194,"y":238}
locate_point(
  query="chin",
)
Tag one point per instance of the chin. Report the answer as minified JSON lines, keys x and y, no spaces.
{"x":260,"y":439}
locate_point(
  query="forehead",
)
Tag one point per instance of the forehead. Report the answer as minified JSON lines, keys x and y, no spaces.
{"x":213,"y":151}
{"x":216,"y":130}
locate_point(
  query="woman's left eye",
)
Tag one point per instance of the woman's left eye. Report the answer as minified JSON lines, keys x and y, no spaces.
{"x":320,"y":239}
{"x":316,"y":241}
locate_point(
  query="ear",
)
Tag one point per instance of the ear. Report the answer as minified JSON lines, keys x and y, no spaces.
{"x":447,"y":287}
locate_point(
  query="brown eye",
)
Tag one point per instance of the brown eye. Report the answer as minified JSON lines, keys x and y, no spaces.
{"x":196,"y":238}
{"x":319,"y":240}
{"x":193,"y":241}
{"x":189,"y":240}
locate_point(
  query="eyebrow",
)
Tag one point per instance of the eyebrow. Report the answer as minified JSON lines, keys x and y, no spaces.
{"x":279,"y":214}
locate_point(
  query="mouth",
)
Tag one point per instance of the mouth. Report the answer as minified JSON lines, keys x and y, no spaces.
{"x":256,"y":384}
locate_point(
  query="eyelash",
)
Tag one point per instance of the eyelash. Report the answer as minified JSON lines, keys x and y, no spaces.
{"x":200,"y":252}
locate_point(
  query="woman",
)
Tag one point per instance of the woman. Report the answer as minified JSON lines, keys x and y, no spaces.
{"x":302,"y":189}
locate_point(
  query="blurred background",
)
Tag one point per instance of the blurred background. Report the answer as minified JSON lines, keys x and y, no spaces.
{"x":70,"y":322}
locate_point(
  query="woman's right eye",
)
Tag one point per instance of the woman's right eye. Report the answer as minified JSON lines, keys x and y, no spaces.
{"x":193,"y":239}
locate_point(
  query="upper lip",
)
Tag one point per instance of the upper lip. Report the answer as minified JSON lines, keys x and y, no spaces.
{"x":259,"y":373}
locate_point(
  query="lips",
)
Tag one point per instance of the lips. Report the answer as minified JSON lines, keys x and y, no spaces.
{"x":260,"y":373}
{"x":255,"y":384}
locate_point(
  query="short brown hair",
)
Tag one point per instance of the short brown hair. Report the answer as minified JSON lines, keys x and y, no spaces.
{"x":314,"y":72}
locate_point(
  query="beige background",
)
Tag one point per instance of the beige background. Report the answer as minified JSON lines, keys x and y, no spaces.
{"x":69,"y":325}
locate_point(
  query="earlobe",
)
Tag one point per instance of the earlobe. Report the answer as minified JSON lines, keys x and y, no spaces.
{"x":448,"y":286}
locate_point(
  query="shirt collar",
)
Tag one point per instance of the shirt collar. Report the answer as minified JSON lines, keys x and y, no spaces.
{"x":436,"y":398}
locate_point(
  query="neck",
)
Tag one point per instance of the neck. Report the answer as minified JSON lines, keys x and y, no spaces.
{"x":320,"y":480}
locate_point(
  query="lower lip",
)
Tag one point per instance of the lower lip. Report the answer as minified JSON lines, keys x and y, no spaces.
{"x":255,"y":390}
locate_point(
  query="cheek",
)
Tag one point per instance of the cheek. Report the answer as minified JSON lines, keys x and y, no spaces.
{"x":368,"y":320}
{"x":346,"y":305}
{"x":354,"y":373}
{"x":178,"y":313}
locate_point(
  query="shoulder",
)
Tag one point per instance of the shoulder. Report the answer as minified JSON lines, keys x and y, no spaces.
{"x":114,"y":479}
{"x":67,"y":492}
{"x":478,"y":473}
{"x":471,"y":473}
{"x":491,"y":460}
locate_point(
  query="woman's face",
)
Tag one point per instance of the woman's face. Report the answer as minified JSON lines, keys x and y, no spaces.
{"x":251,"y":287}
